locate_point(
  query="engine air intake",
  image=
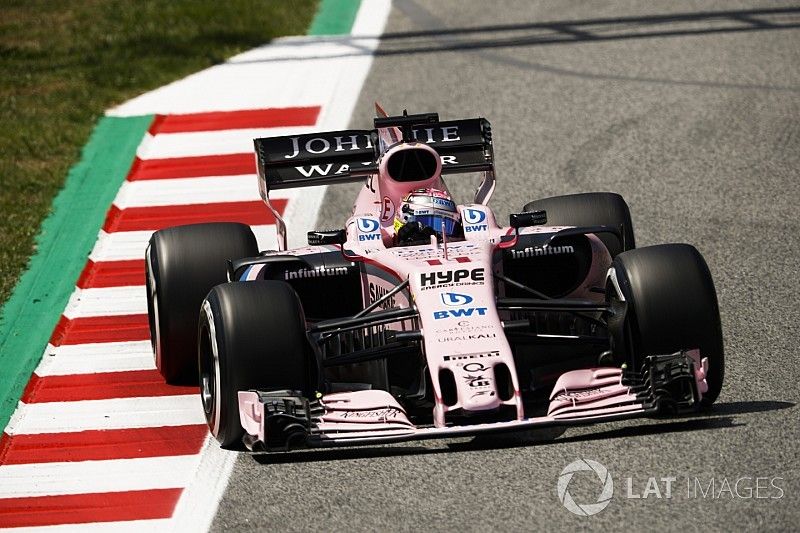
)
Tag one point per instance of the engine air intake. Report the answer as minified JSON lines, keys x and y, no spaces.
{"x":413,"y":164}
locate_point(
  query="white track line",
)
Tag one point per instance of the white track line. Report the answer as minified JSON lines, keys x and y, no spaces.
{"x":96,"y":357}
{"x":186,"y":191}
{"x":115,"y":475}
{"x":108,"y":301}
{"x":127,"y":245}
{"x":117,"y":413}
{"x":240,"y":141}
{"x":129,"y":526}
{"x":198,"y":502}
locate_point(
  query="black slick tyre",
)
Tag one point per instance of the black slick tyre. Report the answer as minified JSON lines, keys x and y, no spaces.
{"x":671,"y":306}
{"x":182,"y":264}
{"x":252,"y":335}
{"x":590,"y":209}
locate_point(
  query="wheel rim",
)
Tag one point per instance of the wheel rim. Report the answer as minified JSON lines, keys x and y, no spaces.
{"x":208,"y":363}
{"x":152,"y":308}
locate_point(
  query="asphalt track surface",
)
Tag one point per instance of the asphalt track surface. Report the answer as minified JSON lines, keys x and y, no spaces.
{"x":695,"y":119}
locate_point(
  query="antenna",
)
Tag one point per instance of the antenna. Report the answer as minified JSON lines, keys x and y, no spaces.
{"x":444,"y":241}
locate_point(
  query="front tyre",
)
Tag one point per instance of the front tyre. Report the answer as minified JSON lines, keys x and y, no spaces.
{"x":251,"y":336}
{"x":590,"y":209}
{"x":671,"y":306}
{"x":182,"y":264}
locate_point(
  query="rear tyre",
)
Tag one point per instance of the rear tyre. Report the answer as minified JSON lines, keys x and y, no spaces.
{"x":182,"y":264}
{"x":671,"y":306}
{"x":252,"y":335}
{"x":591,"y":209}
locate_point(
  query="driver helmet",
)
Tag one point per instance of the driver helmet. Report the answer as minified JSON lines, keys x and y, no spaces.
{"x":431,"y":208}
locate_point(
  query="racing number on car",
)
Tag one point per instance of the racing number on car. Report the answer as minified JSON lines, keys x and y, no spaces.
{"x":387,"y":209}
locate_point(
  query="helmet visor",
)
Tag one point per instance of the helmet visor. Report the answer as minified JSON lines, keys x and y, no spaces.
{"x":435,"y":222}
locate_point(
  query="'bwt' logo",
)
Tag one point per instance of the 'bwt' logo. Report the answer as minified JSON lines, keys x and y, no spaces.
{"x":367,"y":225}
{"x":474,"y":216}
{"x":455,"y":299}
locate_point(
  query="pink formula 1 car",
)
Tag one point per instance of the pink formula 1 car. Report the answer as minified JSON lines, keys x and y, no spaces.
{"x":421,"y":318}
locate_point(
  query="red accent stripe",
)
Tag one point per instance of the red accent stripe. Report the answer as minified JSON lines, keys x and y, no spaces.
{"x":463,"y":259}
{"x":112,"y":274}
{"x":433,"y":262}
{"x":192,"y":167}
{"x":101,"y":445}
{"x":100,"y":386}
{"x":84,"y":508}
{"x":155,"y":218}
{"x":119,"y":328}
{"x":155,"y":126}
{"x":231,"y":120}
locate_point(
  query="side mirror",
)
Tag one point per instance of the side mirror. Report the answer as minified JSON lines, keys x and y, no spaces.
{"x":334,"y":236}
{"x":523,"y":220}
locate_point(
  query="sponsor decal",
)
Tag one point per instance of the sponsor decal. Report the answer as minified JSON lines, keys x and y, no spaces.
{"x":376,"y":292}
{"x":454,"y":299}
{"x":384,"y":413}
{"x":452,"y":278}
{"x":324,"y":170}
{"x":368,"y":229}
{"x":367,"y":225}
{"x":319,"y":272}
{"x":433,"y":135}
{"x":474,"y":220}
{"x":320,"y":145}
{"x":459,"y":313}
{"x":427,"y":252}
{"x":579,"y":395}
{"x":475,"y":367}
{"x":443,"y":202}
{"x":476,"y":377}
{"x":343,"y":143}
{"x":469,"y":356}
{"x":539,"y":251}
{"x":479,"y":381}
{"x":479,"y":227}
{"x":464,"y":326}
{"x":457,"y":338}
{"x":474,"y":216}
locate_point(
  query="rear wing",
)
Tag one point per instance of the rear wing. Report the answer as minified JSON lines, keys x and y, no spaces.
{"x":332,"y":157}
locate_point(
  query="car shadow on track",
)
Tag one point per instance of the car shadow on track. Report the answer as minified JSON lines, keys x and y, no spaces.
{"x":721,"y":416}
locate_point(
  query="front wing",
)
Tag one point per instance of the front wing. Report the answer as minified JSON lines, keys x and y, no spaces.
{"x":281,"y":420}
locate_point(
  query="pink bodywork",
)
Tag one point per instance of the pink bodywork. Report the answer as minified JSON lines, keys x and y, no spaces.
{"x":462,"y":330}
